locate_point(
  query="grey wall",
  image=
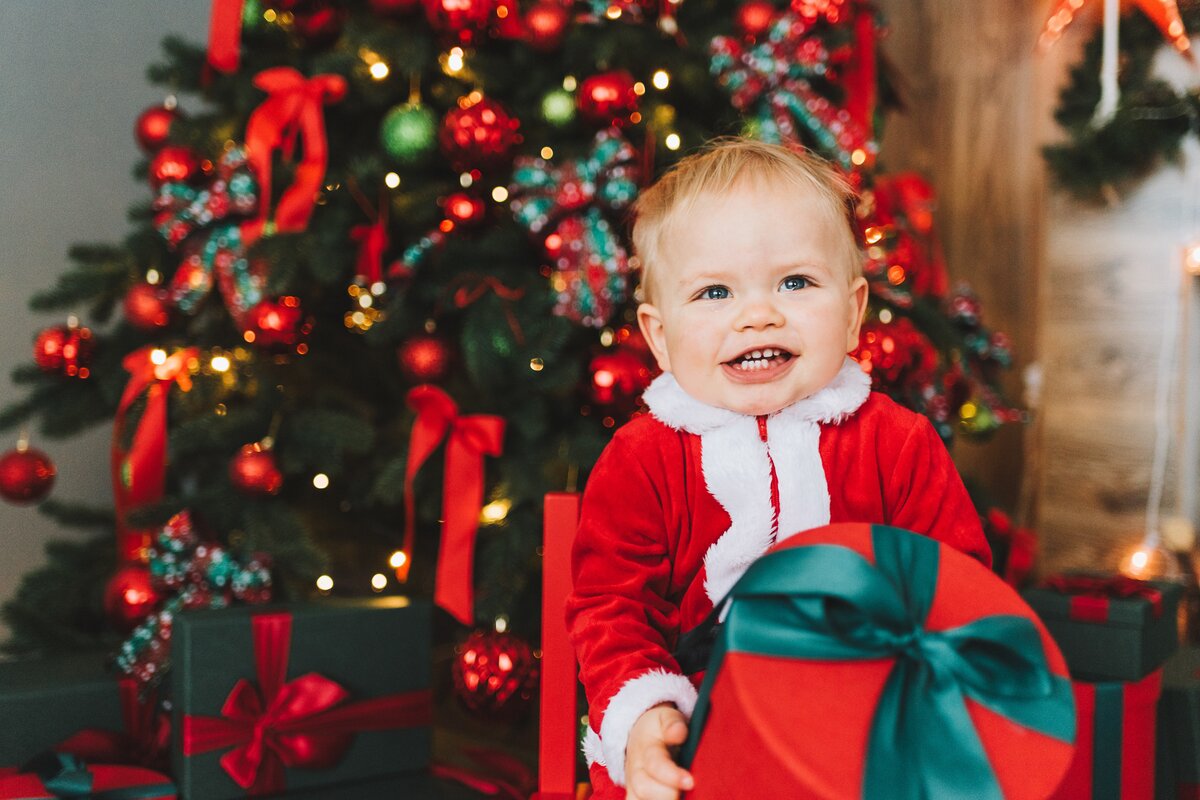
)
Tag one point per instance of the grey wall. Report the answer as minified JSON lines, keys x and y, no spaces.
{"x":72,"y":82}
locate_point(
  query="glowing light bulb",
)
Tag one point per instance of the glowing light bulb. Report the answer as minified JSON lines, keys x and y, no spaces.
{"x":398,"y":560}
{"x":378,"y":582}
{"x":536,"y":364}
{"x":220,"y":363}
{"x":158,"y":356}
{"x":672,"y":141}
{"x":495,"y":511}
{"x":153,"y":276}
{"x":391,"y":180}
{"x":454,"y":60}
{"x":547,"y":153}
{"x":661,"y":79}
{"x":500,"y":194}
{"x":324,"y":583}
{"x":501,"y":624}
{"x":321,"y":480}
{"x":379,"y":70}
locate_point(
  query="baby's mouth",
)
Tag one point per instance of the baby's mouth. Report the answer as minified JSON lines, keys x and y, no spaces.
{"x":762,"y":358}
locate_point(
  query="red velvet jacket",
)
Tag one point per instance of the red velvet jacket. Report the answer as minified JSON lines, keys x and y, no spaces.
{"x":684,"y":499}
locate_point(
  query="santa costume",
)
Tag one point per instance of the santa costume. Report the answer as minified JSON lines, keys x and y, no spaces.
{"x":685,"y":498}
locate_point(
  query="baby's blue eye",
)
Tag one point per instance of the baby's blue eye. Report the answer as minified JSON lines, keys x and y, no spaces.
{"x":714,"y":293}
{"x":794,"y":283}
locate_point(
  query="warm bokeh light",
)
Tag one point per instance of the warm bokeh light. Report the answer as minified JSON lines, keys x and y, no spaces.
{"x":321,"y":480}
{"x":398,"y":560}
{"x":672,"y":141}
{"x":324,"y":583}
{"x":391,"y":180}
{"x":378,"y":581}
{"x":220,"y":363}
{"x":661,"y":79}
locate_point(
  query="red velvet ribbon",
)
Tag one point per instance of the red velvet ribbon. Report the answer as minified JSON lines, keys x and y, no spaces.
{"x":144,"y":741}
{"x":305,"y":723}
{"x":860,"y":78}
{"x":468,"y":440}
{"x":1090,"y":596}
{"x":293,"y":107}
{"x":225,"y":35}
{"x":372,"y":242}
{"x":138,"y":475}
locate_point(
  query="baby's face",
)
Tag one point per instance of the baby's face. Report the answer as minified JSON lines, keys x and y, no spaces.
{"x":753,"y":308}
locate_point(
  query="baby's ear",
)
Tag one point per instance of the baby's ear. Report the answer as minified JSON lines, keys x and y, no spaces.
{"x":857,"y":310}
{"x":651,"y":322}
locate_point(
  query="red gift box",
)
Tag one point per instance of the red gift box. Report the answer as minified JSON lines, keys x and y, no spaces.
{"x":53,"y":775}
{"x":1115,"y":755}
{"x":931,"y":673}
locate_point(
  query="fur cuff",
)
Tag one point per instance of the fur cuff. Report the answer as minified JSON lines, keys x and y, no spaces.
{"x":633,"y":700}
{"x":593,"y":750}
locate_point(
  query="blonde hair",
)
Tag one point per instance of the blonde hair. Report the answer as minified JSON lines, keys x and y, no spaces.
{"x":718,"y":167}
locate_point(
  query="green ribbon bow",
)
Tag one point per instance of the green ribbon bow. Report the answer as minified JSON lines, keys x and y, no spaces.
{"x":68,"y":777}
{"x":825,"y":602}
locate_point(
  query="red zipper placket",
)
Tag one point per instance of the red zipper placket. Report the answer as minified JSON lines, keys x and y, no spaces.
{"x":762,"y":434}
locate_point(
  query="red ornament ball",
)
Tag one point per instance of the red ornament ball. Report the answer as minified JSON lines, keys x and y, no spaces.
{"x":464,"y":209}
{"x":254,"y":470}
{"x":754,"y":18}
{"x":26,"y":475}
{"x":618,"y":378}
{"x":319,"y":22}
{"x":174,"y":164}
{"x":425,"y":358}
{"x":276,"y":324}
{"x":146,"y":307}
{"x":479,"y":136}
{"x":495,"y":673}
{"x":129,"y":597}
{"x":546,"y":25}
{"x":608,"y":98}
{"x":153,"y":127}
{"x":393,"y":8}
{"x":64,"y":349}
{"x":461,"y":21}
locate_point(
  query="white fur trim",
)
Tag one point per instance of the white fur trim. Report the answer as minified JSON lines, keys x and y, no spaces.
{"x":737,"y":465}
{"x":737,"y":472}
{"x":634,"y":699}
{"x":593,"y":750}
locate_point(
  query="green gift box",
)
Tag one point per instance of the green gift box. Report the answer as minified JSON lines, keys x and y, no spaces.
{"x":1178,"y":759}
{"x":410,"y":786}
{"x":46,"y":701}
{"x":297,"y":697}
{"x":1109,"y":628}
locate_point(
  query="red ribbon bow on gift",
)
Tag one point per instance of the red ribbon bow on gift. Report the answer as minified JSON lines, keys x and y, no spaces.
{"x":144,"y":741}
{"x":304,"y":723}
{"x":1090,"y":595}
{"x":139,"y":475}
{"x":294,"y":107}
{"x":468,"y":440}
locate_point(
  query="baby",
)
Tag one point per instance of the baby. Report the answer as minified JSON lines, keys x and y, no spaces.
{"x":760,"y":428}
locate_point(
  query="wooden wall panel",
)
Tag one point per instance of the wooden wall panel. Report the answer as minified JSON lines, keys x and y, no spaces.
{"x":968,"y":72}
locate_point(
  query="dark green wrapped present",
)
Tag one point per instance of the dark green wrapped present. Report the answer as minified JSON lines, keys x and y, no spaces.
{"x":1178,"y":761}
{"x":1110,"y":628}
{"x":410,"y":786}
{"x":62,"y":700}
{"x":298,"y":697}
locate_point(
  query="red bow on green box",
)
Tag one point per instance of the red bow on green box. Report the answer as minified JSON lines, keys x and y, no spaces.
{"x":1091,"y":596}
{"x":305,"y":723}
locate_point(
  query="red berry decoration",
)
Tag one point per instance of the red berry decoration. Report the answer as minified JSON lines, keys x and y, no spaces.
{"x":461,"y":21}
{"x":754,"y":17}
{"x":608,"y":98}
{"x":425,"y":358}
{"x":479,"y":136}
{"x":254,"y":470}
{"x":393,"y":9}
{"x":146,"y":307}
{"x":64,"y":349}
{"x":174,"y":164}
{"x":546,"y":25}
{"x":464,"y":209}
{"x":129,"y":597}
{"x":26,"y":475}
{"x":275,"y":324}
{"x":153,"y":127}
{"x":495,"y":673}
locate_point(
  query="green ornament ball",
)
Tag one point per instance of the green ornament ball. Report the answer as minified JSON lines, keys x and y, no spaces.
{"x":558,"y":107}
{"x":408,"y":132}
{"x":251,"y":13}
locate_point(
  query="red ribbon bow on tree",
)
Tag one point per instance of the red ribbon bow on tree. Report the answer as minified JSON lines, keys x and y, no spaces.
{"x":294,"y":107}
{"x":139,"y":474}
{"x":225,"y":35}
{"x":1090,"y":595}
{"x":304,"y":723}
{"x":468,"y":440}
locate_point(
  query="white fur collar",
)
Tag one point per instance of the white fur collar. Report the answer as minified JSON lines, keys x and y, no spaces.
{"x":737,"y":466}
{"x":671,"y":405}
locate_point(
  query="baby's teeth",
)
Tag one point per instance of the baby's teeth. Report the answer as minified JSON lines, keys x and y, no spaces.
{"x":756,"y":354}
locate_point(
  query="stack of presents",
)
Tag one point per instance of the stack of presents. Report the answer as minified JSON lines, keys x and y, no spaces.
{"x":897,"y":667}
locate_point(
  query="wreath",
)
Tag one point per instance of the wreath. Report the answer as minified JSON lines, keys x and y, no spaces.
{"x":1148,"y":127}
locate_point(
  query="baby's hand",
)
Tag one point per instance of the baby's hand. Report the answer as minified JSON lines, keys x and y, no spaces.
{"x":650,"y":774}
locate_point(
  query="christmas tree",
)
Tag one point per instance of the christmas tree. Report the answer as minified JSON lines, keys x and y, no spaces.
{"x":378,"y":300}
